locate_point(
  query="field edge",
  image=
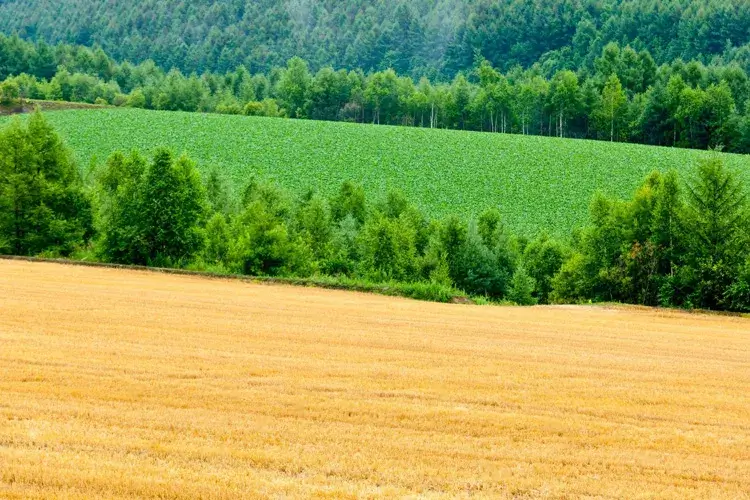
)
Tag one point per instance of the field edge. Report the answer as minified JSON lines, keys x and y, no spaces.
{"x":329,"y":283}
{"x":386,"y":290}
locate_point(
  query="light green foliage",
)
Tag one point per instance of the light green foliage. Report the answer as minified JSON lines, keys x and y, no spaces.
{"x":388,"y":249}
{"x":218,"y":194}
{"x":566,"y":98}
{"x":522,"y":287}
{"x":266,"y":107}
{"x":173,"y":206}
{"x":218,"y":239}
{"x":294,"y":85}
{"x":737,"y":297}
{"x":349,"y":202}
{"x":9,"y":92}
{"x":344,"y":252}
{"x":608,"y":114}
{"x":490,"y":225}
{"x":666,"y":226}
{"x":261,"y":244}
{"x":136,"y":99}
{"x":536,"y":183}
{"x":314,"y":225}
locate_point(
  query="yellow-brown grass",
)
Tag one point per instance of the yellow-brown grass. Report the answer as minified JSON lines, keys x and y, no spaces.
{"x":130,"y":384}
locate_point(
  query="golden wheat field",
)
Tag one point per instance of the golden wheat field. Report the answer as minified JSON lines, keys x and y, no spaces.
{"x":125,"y":384}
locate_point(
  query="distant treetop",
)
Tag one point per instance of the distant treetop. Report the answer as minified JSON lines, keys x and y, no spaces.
{"x":434,"y":38}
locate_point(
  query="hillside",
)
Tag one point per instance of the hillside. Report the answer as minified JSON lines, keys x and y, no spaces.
{"x":536,"y":182}
{"x":122,"y":384}
{"x":423,"y":37}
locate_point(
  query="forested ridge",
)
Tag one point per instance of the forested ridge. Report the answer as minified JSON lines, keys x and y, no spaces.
{"x":434,"y":38}
{"x":671,"y":72}
{"x":626,"y":97}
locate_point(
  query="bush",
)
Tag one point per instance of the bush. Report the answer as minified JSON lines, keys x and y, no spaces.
{"x":387,"y":250}
{"x":229,"y":108}
{"x":571,"y":283}
{"x":522,"y":287}
{"x":218,"y":239}
{"x":435,"y":292}
{"x":9,"y":92}
{"x":136,"y":99}
{"x":267,"y":107}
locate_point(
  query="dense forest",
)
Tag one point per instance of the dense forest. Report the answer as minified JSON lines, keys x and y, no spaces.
{"x":677,"y":242}
{"x":626,"y":97}
{"x":433,"y":38}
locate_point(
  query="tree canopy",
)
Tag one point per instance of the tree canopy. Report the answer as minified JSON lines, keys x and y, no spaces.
{"x":43,"y":205}
{"x":416,"y":37}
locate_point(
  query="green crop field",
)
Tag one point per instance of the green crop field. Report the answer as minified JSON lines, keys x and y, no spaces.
{"x":536,"y":182}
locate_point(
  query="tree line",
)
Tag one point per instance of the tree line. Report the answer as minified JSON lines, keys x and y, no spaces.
{"x":432,"y":38}
{"x":627,"y":97}
{"x":682,"y":243}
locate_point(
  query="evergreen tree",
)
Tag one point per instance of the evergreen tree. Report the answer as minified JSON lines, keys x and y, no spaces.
{"x":172,"y":209}
{"x":716,"y":226}
{"x":43,"y":207}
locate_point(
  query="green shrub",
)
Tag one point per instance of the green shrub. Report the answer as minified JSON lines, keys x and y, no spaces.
{"x":522,"y":287}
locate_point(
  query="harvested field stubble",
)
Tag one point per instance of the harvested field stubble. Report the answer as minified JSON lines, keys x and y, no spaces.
{"x":128,"y":384}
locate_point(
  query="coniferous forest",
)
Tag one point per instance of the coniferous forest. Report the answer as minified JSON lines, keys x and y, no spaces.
{"x":437,"y":39}
{"x":664,"y":73}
